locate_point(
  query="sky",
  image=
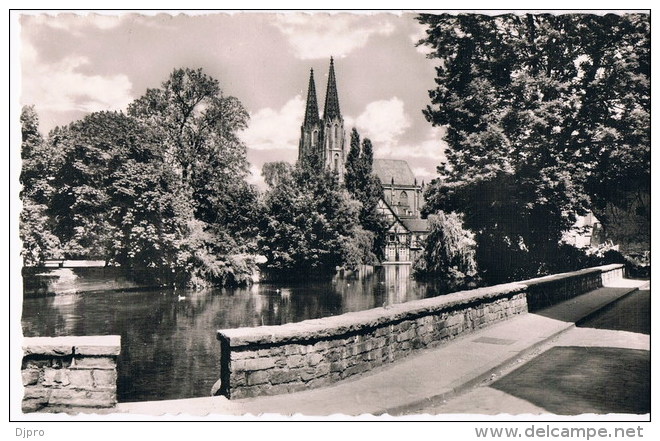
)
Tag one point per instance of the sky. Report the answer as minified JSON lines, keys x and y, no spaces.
{"x":75,"y":64}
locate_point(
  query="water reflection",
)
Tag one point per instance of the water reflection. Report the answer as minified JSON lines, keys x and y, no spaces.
{"x":169,"y":349}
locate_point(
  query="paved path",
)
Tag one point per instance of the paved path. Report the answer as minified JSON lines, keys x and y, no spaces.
{"x":608,"y":370}
{"x":421,"y":382}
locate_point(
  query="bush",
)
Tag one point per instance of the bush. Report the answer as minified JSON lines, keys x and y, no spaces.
{"x":449,"y":252}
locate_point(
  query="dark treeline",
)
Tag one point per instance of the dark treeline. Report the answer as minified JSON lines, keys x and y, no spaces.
{"x":163,"y":186}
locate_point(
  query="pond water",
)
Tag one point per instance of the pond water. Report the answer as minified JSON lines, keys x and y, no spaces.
{"x":169,"y":347}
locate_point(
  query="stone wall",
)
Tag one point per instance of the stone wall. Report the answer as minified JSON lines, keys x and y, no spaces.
{"x":549,"y":290}
{"x":61,"y":373}
{"x":271,"y":360}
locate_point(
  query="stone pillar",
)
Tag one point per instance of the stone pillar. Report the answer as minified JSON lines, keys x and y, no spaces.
{"x":61,"y":373}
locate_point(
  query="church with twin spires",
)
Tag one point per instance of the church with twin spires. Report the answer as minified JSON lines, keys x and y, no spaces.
{"x":402,"y":195}
{"x":324,"y":136}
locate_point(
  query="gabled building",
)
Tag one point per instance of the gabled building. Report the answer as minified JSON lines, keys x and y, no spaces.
{"x":401,"y":205}
{"x":402,"y":195}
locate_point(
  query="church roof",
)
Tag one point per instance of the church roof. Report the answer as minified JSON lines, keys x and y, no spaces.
{"x":386,"y":169}
{"x":331,"y":109}
{"x":312,"y":109}
{"x":416,"y":225}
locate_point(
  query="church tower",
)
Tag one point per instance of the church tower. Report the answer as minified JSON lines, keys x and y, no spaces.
{"x":324,"y":136}
{"x":333,"y":127}
{"x":311,"y":131}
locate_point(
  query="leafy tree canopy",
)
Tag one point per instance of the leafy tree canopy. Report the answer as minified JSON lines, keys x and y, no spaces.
{"x":546,"y":116}
{"x":364,"y":186}
{"x":311,"y":224}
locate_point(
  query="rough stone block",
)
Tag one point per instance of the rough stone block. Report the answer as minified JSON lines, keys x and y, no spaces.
{"x":323,"y":381}
{"x":242,"y":355}
{"x":254,"y":364}
{"x":295,"y":361}
{"x":334,"y":355}
{"x":82,"y":378}
{"x":365,"y":346}
{"x":82,"y":398}
{"x":47,"y":350}
{"x":35,"y":393}
{"x":307,"y":374}
{"x":321,"y":346}
{"x":34,"y":399}
{"x":266,"y":352}
{"x":336,"y":367}
{"x":284,"y":376}
{"x":353,"y":370}
{"x":30,"y":376}
{"x":314,"y":359}
{"x":56,"y":378}
{"x":377,"y":353}
{"x":277,"y":389}
{"x":455,"y":319}
{"x":104,"y":350}
{"x":257,"y":377}
{"x":291,"y":350}
{"x":381,"y":332}
{"x":405,"y":336}
{"x":104,"y":378}
{"x":95,"y":362}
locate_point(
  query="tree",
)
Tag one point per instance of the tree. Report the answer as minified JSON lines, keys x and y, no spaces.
{"x":365,"y":188}
{"x":449,"y":251}
{"x":162,"y":187}
{"x":535,"y":107}
{"x":277,"y":173}
{"x":198,"y":127}
{"x":310,"y":222}
{"x":96,"y":153}
{"x":35,"y":229}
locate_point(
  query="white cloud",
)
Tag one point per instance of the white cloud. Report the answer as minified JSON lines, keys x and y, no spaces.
{"x":323,"y":35}
{"x":271,"y":129}
{"x":416,"y":37}
{"x":424,"y":173}
{"x":383,"y":121}
{"x":61,"y":87}
{"x":76,"y":23}
{"x":432,"y":147}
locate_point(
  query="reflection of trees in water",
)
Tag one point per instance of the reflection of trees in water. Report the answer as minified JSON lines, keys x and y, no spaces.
{"x":386,"y":285}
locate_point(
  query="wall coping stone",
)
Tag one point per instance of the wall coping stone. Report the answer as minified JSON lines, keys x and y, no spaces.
{"x":582,"y":272}
{"x":353,"y":322}
{"x":92,"y":345}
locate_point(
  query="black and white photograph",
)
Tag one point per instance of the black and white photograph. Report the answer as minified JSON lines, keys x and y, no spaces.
{"x":375,"y":215}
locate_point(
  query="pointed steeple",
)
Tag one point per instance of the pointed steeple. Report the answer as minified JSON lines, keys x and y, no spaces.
{"x":312,"y":110}
{"x":331,"y":109}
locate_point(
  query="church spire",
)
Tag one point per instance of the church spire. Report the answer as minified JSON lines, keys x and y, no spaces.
{"x":312,"y":110}
{"x":331,"y":109}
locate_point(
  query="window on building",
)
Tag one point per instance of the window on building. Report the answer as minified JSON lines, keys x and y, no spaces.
{"x":336,"y":161}
{"x":315,"y":138}
{"x":403,"y":199}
